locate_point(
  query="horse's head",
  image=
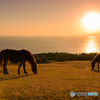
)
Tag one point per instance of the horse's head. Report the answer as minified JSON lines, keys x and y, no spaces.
{"x":33,"y":63}
{"x":93,"y":65}
{"x":34,"y":68}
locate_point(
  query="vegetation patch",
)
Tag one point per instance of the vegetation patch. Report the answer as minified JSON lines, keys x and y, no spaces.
{"x":44,"y":57}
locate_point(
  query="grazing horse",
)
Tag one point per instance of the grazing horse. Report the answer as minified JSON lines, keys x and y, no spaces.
{"x":95,"y":59}
{"x":18,"y":56}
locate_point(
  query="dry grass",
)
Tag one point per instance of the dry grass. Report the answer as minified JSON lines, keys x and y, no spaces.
{"x":54,"y":81}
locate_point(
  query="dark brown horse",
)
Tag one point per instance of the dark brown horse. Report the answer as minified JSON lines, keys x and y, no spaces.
{"x":18,"y":56}
{"x":95,"y":60}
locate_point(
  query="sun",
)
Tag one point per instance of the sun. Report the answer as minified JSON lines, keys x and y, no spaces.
{"x":91,"y":21}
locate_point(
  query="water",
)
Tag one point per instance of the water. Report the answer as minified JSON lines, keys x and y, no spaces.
{"x":52,"y":44}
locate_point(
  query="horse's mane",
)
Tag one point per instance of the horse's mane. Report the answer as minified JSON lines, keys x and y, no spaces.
{"x":25,"y":49}
{"x":30,"y":53}
{"x":95,"y":57}
{"x":34,"y":59}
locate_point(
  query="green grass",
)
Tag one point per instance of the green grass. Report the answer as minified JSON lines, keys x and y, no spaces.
{"x":54,"y":81}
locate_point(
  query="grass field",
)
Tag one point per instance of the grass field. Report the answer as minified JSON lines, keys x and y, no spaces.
{"x":54,"y":81}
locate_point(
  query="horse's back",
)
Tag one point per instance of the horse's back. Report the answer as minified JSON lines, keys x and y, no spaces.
{"x":16,"y":56}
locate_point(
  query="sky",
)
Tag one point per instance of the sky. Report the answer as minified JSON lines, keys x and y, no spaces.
{"x":45,"y":17}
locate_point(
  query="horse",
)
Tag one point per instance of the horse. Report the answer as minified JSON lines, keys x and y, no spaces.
{"x":18,"y":56}
{"x":95,"y":60}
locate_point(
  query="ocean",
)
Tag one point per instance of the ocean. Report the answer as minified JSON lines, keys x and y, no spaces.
{"x":40,"y":44}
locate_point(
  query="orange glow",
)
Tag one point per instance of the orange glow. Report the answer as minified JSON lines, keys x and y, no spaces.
{"x":91,"y":45}
{"x":48,"y":18}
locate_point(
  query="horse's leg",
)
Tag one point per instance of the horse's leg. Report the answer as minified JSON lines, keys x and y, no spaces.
{"x":24,"y":68}
{"x":98,"y":65}
{"x":4,"y":68}
{"x":19,"y":68}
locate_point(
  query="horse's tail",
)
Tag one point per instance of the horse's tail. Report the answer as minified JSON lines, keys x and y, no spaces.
{"x":1,"y":60}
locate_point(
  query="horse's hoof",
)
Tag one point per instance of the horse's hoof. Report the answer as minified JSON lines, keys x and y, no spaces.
{"x":18,"y":73}
{"x":8,"y":73}
{"x":26,"y":73}
{"x":4,"y":73}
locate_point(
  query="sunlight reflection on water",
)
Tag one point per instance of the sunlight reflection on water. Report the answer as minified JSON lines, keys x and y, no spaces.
{"x":91,"y":45}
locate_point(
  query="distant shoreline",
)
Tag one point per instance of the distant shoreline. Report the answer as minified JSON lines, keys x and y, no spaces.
{"x":66,"y":53}
{"x":45,"y":57}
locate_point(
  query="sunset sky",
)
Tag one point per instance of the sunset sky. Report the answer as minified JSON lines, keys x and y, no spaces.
{"x":45,"y":17}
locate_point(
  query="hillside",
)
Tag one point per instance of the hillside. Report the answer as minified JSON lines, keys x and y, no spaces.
{"x":54,"y":81}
